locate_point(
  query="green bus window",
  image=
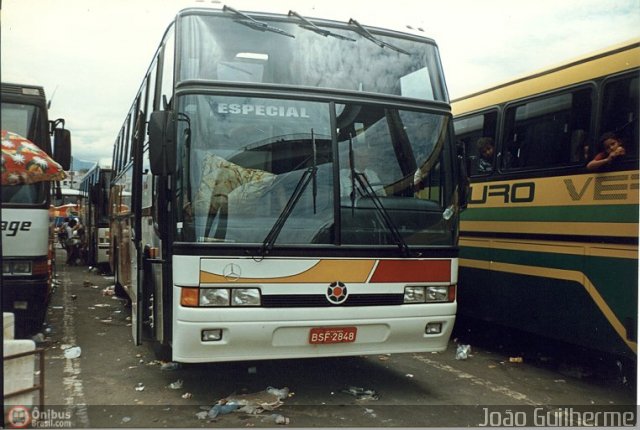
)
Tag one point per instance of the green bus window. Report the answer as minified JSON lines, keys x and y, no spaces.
{"x":620,"y":111}
{"x":477,"y":134}
{"x":547,"y":132}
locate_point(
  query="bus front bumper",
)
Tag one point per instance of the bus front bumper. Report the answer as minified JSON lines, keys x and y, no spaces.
{"x":27,"y":299}
{"x":384,"y":330}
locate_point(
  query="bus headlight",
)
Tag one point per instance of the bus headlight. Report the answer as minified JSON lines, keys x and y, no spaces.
{"x":22,"y":268}
{"x":245,"y":297}
{"x":432,"y":294}
{"x":437,"y":294}
{"x":209,"y":297}
{"x":414,"y":295}
{"x":17,"y":267}
{"x":214,"y":297}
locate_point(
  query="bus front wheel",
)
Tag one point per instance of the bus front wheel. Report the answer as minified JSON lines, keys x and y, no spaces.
{"x":118,"y":288}
{"x":162,"y":352}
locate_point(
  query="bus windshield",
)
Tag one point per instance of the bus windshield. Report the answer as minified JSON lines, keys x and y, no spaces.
{"x":32,"y":194}
{"x":23,"y":119}
{"x":258,"y":171}
{"x":350,"y":58}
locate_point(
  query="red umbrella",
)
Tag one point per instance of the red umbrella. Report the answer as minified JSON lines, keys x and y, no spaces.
{"x":24,"y":163}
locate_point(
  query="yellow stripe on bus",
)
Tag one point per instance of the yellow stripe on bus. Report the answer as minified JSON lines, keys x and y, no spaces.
{"x":571,"y":248}
{"x":559,"y":228}
{"x":599,"y":189}
{"x":561,"y":274}
{"x":323,"y":271}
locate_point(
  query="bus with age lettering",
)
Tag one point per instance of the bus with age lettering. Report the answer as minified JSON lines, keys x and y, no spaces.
{"x":548,"y":246}
{"x":27,"y":237}
{"x":287,"y":187}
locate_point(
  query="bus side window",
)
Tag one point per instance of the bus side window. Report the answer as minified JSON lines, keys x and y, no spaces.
{"x":478,"y":133}
{"x":548,"y":132}
{"x":543,"y":144}
{"x":579,"y":146}
{"x":166,"y":84}
{"x":620,"y":111}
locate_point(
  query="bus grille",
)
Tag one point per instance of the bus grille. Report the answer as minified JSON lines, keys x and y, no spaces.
{"x":318,"y":300}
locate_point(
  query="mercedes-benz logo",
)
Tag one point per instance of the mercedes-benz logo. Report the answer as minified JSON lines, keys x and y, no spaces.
{"x":337,"y":293}
{"x":231,"y":272}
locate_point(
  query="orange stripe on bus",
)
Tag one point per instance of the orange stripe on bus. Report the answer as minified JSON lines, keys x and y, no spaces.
{"x":412,"y":271}
{"x":324,"y":271}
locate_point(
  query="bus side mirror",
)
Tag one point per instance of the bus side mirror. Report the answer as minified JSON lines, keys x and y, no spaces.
{"x":62,"y":147}
{"x":162,"y":146}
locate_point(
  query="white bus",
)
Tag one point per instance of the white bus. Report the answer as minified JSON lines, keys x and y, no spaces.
{"x":95,"y":190}
{"x":26,"y":233}
{"x":243,"y":223}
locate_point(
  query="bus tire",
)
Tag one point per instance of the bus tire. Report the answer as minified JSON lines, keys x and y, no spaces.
{"x":162,"y":351}
{"x":118,"y":288}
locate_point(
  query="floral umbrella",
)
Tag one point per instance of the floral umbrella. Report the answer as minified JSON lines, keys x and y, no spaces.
{"x":24,"y":163}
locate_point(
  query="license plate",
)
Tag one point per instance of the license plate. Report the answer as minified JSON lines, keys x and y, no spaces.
{"x":332,"y":335}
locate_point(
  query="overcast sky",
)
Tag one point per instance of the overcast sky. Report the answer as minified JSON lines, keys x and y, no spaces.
{"x":90,"y":55}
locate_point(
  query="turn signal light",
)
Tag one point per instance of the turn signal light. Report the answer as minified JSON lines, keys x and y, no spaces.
{"x":189,"y":297}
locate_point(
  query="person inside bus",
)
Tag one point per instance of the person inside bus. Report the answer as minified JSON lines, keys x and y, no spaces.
{"x":611,"y":149}
{"x":485,"y":149}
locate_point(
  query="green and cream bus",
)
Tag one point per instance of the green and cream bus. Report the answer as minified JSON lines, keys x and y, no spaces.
{"x":548,"y":246}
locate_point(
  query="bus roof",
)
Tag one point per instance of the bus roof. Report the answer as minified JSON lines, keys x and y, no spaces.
{"x":283,"y":13}
{"x":22,"y":89}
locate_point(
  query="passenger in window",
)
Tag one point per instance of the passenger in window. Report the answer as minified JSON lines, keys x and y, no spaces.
{"x":611,"y":149}
{"x":485,"y":149}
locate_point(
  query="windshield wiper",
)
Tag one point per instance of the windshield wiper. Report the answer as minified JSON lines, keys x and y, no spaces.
{"x":352,"y":169}
{"x":309,"y":175}
{"x":308,"y":25}
{"x":369,"y":192}
{"x":314,"y":173}
{"x":365,"y":33}
{"x":302,"y":185}
{"x":187,"y":144}
{"x":254,"y":23}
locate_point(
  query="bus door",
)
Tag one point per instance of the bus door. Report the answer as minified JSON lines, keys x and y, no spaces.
{"x":151,"y":312}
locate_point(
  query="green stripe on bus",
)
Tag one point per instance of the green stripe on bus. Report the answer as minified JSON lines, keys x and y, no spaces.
{"x":585,"y":213}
